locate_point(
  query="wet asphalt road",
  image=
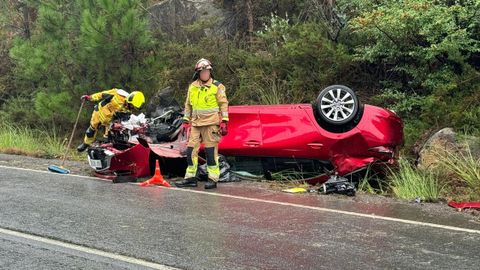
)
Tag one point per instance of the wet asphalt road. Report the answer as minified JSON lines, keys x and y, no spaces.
{"x":190,"y":230}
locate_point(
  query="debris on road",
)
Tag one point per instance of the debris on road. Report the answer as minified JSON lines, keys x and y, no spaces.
{"x":464,"y":205}
{"x":295,"y":190}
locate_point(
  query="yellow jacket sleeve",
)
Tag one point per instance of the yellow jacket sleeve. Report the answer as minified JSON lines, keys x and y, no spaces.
{"x":101,"y":95}
{"x":222,"y":102}
{"x":188,"y":107}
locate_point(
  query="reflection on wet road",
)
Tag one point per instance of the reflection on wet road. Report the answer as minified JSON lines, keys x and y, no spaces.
{"x":191,"y":230}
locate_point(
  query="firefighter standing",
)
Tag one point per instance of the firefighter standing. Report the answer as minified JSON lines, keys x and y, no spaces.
{"x":206,"y":111}
{"x":110,"y":102}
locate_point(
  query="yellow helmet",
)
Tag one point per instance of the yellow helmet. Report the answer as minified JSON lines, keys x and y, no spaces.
{"x":136,"y":98}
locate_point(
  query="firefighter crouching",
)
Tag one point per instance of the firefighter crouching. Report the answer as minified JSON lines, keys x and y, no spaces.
{"x":109,"y":103}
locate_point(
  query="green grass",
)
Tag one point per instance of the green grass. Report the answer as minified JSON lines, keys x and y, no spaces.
{"x":289,"y":178}
{"x":30,"y":142}
{"x":410,"y":183}
{"x":14,"y":139}
{"x":365,"y":183}
{"x":288,"y":175}
{"x":465,"y":167}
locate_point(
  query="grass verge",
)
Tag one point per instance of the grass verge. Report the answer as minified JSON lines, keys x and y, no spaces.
{"x":30,"y":142}
{"x":410,"y":183}
{"x":464,"y":168}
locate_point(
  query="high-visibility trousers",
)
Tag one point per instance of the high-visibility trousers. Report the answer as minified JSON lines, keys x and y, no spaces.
{"x":210,"y":137}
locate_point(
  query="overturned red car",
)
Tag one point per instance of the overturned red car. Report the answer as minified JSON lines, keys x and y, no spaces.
{"x":333,"y":138}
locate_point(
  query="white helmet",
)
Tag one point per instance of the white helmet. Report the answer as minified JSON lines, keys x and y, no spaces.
{"x":203,"y":64}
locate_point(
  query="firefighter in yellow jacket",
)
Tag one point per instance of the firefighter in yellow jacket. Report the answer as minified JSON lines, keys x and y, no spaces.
{"x":109,"y":102}
{"x":206,"y":110}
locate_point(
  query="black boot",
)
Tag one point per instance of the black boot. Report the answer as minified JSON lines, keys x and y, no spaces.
{"x":190,"y":182}
{"x":82,"y":147}
{"x":210,"y":184}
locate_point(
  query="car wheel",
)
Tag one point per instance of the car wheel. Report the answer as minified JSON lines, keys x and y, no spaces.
{"x":337,"y":109}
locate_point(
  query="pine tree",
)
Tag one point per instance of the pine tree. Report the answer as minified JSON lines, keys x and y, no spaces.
{"x":46,"y":67}
{"x":82,"y":47}
{"x":117,"y":47}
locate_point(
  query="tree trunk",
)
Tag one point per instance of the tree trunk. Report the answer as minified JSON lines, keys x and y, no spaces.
{"x":249,"y":12}
{"x":26,"y":21}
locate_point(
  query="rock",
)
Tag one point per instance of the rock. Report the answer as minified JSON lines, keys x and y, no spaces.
{"x":444,"y":140}
{"x":444,"y":137}
{"x":473,"y":144}
{"x":188,"y":20}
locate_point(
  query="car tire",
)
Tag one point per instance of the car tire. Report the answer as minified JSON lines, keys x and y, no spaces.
{"x":337,"y":109}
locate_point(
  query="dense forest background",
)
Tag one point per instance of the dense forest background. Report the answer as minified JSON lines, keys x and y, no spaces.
{"x":420,"y":58}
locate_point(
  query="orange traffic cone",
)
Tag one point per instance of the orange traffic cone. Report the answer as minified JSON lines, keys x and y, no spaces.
{"x":156,"y":179}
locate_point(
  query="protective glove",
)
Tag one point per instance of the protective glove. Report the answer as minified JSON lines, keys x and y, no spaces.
{"x":224,"y":128}
{"x":86,"y":98}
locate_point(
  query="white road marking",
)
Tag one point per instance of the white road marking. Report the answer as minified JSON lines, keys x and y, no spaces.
{"x":87,"y":250}
{"x":49,"y":172}
{"x":322,"y":209}
{"x":348,"y":213}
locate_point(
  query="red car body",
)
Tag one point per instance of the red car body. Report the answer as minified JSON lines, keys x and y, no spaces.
{"x":284,"y":131}
{"x":292,"y":131}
